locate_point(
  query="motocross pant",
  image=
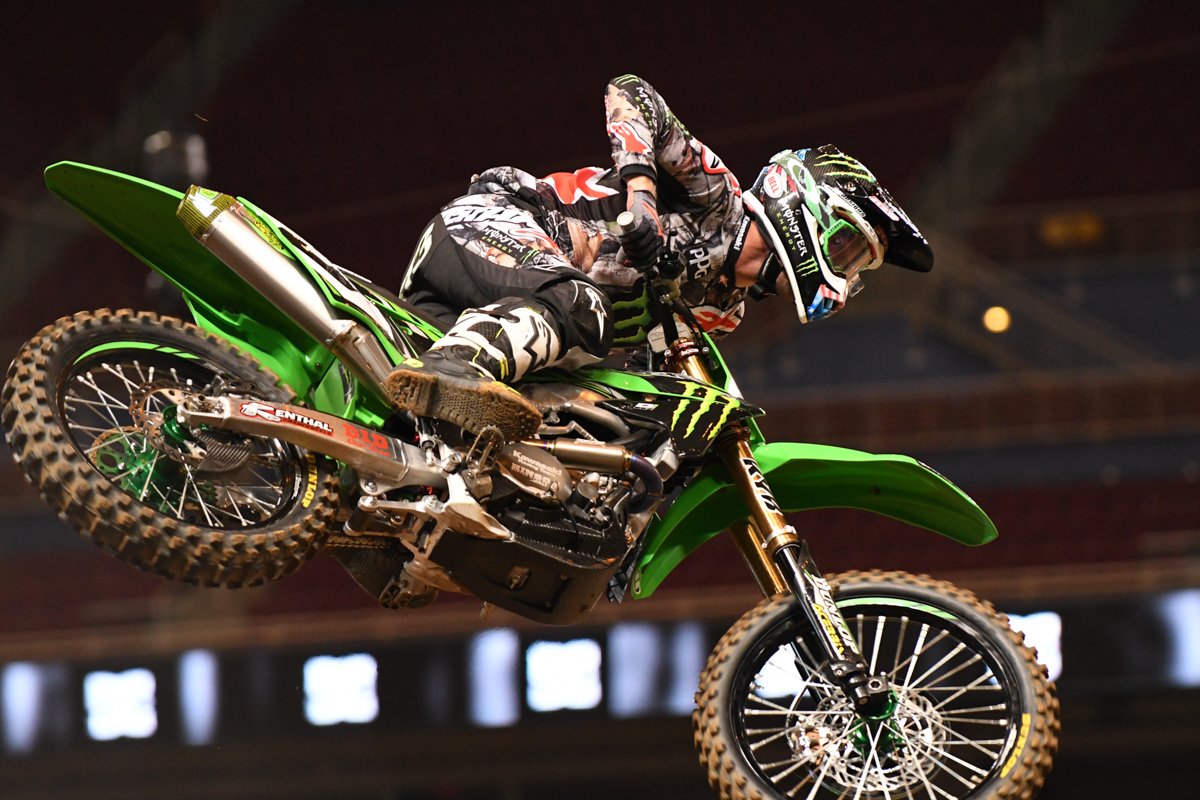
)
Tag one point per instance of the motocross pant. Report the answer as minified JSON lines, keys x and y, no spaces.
{"x":517,"y":303}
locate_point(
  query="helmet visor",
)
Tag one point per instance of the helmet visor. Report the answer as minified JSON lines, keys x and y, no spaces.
{"x":846,"y":249}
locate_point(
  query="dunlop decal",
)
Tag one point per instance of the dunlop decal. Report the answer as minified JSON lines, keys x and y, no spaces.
{"x":1012,"y":760}
{"x":310,"y":486}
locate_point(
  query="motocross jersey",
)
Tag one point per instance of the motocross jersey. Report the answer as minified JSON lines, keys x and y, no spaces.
{"x":699,"y":203}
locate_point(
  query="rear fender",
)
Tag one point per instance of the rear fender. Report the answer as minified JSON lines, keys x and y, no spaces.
{"x":804,"y":477}
{"x":140,"y":215}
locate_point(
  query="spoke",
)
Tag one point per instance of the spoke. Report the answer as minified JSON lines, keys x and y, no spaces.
{"x":929,"y":787}
{"x":770,"y":704}
{"x":921,"y":649}
{"x":761,"y":742}
{"x":86,"y":380}
{"x":971,"y":685}
{"x":934,"y":748}
{"x":74,"y":398}
{"x":899,"y":645}
{"x":233,"y":503}
{"x":875,"y":648}
{"x":963,"y":690}
{"x":996,"y":707}
{"x":973,"y":659}
{"x":133,"y":387}
{"x":883,"y":780}
{"x":872,"y":741}
{"x":821,"y":777}
{"x":138,"y":367}
{"x":199,"y":499}
{"x":912,"y":659}
{"x":978,"y":745}
{"x":149,"y":477}
{"x":115,"y":402}
{"x":936,"y":666}
{"x":114,"y":478}
{"x":261,"y":505}
{"x":88,"y":428}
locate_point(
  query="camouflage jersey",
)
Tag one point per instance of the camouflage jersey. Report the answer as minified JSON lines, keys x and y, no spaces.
{"x":699,"y":203}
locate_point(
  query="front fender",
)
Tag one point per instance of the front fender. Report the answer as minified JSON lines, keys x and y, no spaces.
{"x":803,"y":477}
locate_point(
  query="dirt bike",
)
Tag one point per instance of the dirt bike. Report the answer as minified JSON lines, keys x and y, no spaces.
{"x":229,"y":451}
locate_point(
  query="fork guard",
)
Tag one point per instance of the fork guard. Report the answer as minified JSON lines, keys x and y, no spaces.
{"x":804,"y":477}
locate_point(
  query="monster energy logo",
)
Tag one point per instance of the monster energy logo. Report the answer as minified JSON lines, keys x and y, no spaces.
{"x":807,"y":266}
{"x":640,"y":321}
{"x":709,"y":398}
{"x":841,"y":165}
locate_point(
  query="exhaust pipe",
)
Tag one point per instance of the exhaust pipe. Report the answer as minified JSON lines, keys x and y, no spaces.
{"x":230,"y":232}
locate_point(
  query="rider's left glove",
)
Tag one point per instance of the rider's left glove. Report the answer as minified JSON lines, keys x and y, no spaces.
{"x":645,"y":243}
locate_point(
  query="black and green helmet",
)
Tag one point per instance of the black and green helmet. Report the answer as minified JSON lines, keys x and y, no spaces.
{"x":827,"y":220}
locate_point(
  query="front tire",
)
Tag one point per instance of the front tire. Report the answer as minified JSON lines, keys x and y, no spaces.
{"x":975,"y":716}
{"x":68,"y":420}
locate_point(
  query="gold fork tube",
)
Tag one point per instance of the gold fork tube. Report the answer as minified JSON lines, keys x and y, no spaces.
{"x":764,"y":511}
{"x":747,"y":534}
{"x":750,"y":542}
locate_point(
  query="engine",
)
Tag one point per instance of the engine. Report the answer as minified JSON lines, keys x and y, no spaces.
{"x":582,"y":516}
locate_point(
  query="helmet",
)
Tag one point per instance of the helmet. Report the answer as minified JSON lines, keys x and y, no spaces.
{"x":827,"y":220}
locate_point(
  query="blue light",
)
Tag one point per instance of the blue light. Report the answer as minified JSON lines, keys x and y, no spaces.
{"x":492,"y":672}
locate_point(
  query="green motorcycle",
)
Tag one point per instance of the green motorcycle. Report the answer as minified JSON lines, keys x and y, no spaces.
{"x":229,"y":451}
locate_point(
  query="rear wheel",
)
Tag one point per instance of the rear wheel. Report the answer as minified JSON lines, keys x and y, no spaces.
{"x":88,"y":413}
{"x":974,"y":716}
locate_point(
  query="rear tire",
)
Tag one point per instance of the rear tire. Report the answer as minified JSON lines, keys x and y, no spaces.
{"x":769,"y":726}
{"x":129,"y":497}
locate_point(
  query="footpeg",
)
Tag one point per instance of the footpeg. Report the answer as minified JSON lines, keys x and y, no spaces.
{"x":405,"y":591}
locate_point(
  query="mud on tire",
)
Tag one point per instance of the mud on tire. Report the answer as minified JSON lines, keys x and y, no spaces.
{"x":1025,"y":750}
{"x":245,"y":550}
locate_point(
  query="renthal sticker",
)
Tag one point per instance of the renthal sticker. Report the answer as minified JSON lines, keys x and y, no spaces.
{"x":310,"y":486}
{"x":645,"y":406}
{"x":367,"y":440}
{"x":775,"y":184}
{"x":458,"y":214}
{"x":273,"y":414}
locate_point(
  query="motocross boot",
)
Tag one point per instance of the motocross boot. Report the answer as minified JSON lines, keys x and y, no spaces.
{"x":444,"y":385}
{"x":463,"y":378}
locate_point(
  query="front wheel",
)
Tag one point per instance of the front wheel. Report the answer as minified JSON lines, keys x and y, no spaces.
{"x":972,"y":713}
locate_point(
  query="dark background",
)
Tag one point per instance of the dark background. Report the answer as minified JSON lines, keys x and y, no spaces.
{"x":1077,"y":430}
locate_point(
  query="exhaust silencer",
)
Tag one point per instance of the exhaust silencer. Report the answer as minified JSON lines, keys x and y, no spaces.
{"x":251,"y":249}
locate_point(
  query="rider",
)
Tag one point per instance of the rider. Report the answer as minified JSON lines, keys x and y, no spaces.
{"x":547,"y":279}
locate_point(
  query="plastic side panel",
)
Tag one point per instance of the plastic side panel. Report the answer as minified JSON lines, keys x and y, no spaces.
{"x":804,"y":477}
{"x":141,"y":216}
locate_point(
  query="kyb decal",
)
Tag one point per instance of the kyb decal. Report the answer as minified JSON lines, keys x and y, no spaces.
{"x":273,"y":414}
{"x":760,"y":485}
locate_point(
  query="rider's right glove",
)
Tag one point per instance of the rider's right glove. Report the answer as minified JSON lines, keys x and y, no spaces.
{"x":645,"y":243}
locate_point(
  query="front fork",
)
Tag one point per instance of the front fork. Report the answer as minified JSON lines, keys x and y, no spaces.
{"x":780,"y":562}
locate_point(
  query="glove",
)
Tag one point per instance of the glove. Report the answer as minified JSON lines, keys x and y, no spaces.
{"x":645,"y":243}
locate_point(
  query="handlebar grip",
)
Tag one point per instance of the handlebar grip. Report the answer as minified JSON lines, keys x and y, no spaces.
{"x":625,"y":221}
